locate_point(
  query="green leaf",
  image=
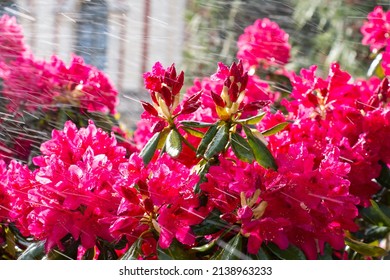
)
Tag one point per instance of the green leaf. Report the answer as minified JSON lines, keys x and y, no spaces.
{"x":365,"y":249}
{"x":148,"y":151}
{"x":261,"y":255}
{"x":219,"y":142}
{"x":384,"y":176}
{"x":231,"y":250}
{"x":384,"y":218}
{"x":204,"y":167}
{"x":209,"y":135}
{"x":212,"y":224}
{"x":134,"y":251}
{"x":35,"y":251}
{"x":196,"y":124}
{"x":10,"y":241}
{"x":89,"y":254}
{"x":376,"y":232}
{"x":262,"y":155}
{"x":174,"y":252}
{"x":205,"y":247}
{"x":376,"y":67}
{"x":173,"y":143}
{"x":194,"y":132}
{"x":275,"y":129}
{"x":253,"y":120}
{"x":291,"y":253}
{"x":241,"y":148}
{"x":327,"y":254}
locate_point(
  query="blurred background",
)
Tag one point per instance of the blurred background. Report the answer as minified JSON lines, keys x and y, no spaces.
{"x":126,"y":37}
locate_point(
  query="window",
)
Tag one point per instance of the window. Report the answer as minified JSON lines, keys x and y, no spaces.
{"x":92,"y":32}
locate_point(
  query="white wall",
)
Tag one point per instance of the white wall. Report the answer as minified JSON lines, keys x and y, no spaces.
{"x":49,"y":28}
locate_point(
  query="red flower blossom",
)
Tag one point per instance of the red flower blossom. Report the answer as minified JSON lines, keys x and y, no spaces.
{"x":11,"y":39}
{"x":33,"y":84}
{"x":376,"y":30}
{"x":263,"y":44}
{"x":74,"y":190}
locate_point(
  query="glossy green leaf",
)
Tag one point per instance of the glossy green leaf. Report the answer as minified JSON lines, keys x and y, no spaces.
{"x":376,"y":232}
{"x":384,"y":176}
{"x":365,"y":249}
{"x":194,"y":132}
{"x":241,"y":148}
{"x":211,"y":224}
{"x":261,"y":255}
{"x":327,"y":253}
{"x":205,"y":247}
{"x":262,"y":155}
{"x":384,"y":218}
{"x":275,"y":129}
{"x":207,"y":138}
{"x":196,"y":124}
{"x":203,"y":169}
{"x":174,"y":252}
{"x":35,"y":251}
{"x":173,"y":143}
{"x":231,"y":250}
{"x":253,"y":120}
{"x":376,"y":67}
{"x":89,"y":254}
{"x":134,"y":251}
{"x":291,"y":253}
{"x":219,"y":142}
{"x":148,"y":151}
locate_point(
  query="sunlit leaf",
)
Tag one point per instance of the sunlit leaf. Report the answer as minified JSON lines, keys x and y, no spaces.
{"x":384,"y":176}
{"x":219,"y":142}
{"x":375,"y":67}
{"x":291,"y":253}
{"x":208,"y":137}
{"x":173,"y":143}
{"x":206,"y":247}
{"x":365,"y":249}
{"x":262,"y":155}
{"x":275,"y":129}
{"x":231,"y":250}
{"x":384,"y":218}
{"x":194,"y":132}
{"x":35,"y":251}
{"x":253,"y":120}
{"x":191,"y":124}
{"x":241,"y":148}
{"x":211,"y":224}
{"x":148,"y":151}
{"x":174,"y":252}
{"x":134,"y":251}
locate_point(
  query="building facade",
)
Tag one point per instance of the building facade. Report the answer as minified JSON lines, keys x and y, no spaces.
{"x":122,"y":37}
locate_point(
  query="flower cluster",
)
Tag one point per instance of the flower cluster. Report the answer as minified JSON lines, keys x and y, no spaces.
{"x":49,"y":85}
{"x":376,"y":32}
{"x":12,"y":41}
{"x":263,"y":44}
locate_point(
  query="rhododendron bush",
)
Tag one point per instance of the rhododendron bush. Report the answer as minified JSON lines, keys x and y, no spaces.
{"x":230,"y":168}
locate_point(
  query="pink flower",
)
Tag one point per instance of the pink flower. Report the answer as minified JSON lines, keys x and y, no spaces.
{"x":20,"y":180}
{"x":306,"y":202}
{"x":377,"y":29}
{"x":164,"y":86}
{"x":158,"y":196}
{"x":33,"y":84}
{"x":4,"y":195}
{"x":11,"y":39}
{"x":263,"y":44}
{"x":74,"y":191}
